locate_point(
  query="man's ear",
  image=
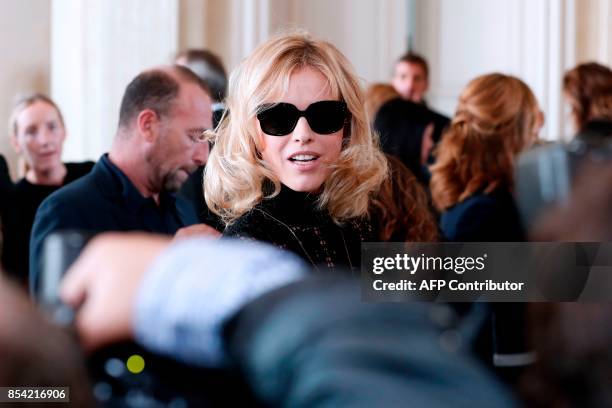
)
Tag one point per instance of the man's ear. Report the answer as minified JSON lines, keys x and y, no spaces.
{"x":148,"y":124}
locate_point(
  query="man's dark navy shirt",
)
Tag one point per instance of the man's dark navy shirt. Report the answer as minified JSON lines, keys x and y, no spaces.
{"x":104,"y":200}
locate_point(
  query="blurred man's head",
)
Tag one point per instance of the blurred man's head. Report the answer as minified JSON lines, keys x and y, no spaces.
{"x":164,"y":112}
{"x":411,"y":77}
{"x":36,"y":353}
{"x":208,"y":67}
{"x":588,"y":90}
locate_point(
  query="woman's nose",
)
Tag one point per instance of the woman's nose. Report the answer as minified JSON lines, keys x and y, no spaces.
{"x":302,"y":132}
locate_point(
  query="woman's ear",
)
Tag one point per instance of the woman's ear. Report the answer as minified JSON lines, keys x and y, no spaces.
{"x":15,"y":143}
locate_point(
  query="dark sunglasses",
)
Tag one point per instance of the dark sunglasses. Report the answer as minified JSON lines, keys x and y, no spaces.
{"x":324,"y":117}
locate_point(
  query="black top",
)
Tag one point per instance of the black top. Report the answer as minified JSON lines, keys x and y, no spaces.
{"x":5,"y":179}
{"x":105,"y":200}
{"x":483,"y":217}
{"x":23,"y":203}
{"x":493,"y":217}
{"x":596,"y":131}
{"x":292,"y":221}
{"x":441,"y":122}
{"x":6,"y":185}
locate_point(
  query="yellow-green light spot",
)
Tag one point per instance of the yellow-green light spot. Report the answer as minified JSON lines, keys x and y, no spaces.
{"x":135,"y":364}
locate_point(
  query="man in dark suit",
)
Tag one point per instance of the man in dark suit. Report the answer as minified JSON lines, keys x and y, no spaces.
{"x":411,"y":81}
{"x":157,"y":146}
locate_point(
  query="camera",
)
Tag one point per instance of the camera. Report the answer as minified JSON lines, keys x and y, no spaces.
{"x":163,"y":382}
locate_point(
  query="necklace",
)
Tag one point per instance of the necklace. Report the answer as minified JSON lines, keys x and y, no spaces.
{"x":299,"y":241}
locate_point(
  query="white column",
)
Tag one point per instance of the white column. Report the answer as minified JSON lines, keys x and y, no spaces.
{"x":98,"y":46}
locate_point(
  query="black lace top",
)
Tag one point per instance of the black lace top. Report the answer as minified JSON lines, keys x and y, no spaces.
{"x":292,"y":221}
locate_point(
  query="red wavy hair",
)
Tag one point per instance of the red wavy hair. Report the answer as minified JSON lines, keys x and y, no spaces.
{"x":496,"y":118}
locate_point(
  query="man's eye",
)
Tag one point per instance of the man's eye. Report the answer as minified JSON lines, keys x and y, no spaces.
{"x":196,"y":137}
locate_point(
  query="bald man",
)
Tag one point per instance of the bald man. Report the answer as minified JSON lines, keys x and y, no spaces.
{"x":158,"y":144}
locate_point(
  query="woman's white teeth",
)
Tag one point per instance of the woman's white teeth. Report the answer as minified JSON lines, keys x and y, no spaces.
{"x":304,"y":157}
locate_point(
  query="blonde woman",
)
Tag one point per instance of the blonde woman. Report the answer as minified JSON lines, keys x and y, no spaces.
{"x":295,"y":163}
{"x":37,"y":133}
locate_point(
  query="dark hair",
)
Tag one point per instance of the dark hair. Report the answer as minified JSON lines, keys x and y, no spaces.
{"x":156,"y":90}
{"x":416,"y":59}
{"x":589,"y":89}
{"x":209,"y":68}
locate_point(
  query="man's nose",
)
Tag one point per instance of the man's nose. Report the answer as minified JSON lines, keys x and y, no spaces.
{"x":302,"y":132}
{"x":200,"y":155}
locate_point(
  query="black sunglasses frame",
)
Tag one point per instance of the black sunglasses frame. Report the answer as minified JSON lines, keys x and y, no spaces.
{"x":295,"y":114}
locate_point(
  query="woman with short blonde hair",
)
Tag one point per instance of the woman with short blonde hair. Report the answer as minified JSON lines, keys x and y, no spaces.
{"x":37,"y":133}
{"x":296,"y":135}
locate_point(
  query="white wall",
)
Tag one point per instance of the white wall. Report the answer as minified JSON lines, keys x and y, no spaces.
{"x":532,"y":39}
{"x":372,"y":34}
{"x":24,"y":46}
{"x":594,"y":31}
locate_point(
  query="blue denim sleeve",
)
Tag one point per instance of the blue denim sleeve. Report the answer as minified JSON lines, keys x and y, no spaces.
{"x":196,"y":285}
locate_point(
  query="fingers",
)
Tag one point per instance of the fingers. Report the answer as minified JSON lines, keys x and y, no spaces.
{"x":197,"y":230}
{"x":103,"y":282}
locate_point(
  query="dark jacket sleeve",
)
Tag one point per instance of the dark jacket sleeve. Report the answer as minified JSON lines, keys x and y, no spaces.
{"x":314,"y":343}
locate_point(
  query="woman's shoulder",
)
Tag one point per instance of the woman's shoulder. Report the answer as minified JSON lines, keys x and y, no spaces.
{"x":256,"y":223}
{"x":485,"y":217}
{"x":493,"y":202}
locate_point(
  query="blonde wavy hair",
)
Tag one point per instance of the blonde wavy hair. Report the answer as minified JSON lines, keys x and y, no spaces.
{"x":497,"y":117}
{"x":235,"y":172}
